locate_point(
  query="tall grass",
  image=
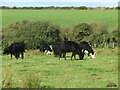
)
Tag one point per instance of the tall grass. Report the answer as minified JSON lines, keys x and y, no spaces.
{"x":7,"y":79}
{"x":30,"y":80}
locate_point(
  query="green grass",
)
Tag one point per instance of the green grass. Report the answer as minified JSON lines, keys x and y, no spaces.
{"x":62,"y":17}
{"x":54,"y":73}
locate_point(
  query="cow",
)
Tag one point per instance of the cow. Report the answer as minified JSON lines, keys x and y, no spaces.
{"x":87,"y":49}
{"x":45,"y":48}
{"x":63,"y":47}
{"x":15,"y":49}
{"x":57,"y":49}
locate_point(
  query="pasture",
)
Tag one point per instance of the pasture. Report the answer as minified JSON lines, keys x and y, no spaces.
{"x":39,"y":70}
{"x":62,"y":17}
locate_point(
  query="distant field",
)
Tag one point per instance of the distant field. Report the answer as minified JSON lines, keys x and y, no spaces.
{"x":62,"y":17}
{"x":54,"y":73}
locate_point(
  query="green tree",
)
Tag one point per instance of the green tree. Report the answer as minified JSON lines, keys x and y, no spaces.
{"x":82,"y":8}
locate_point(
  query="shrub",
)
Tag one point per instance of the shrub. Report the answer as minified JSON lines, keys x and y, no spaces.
{"x":37,"y":32}
{"x":66,"y":33}
{"x":82,"y":30}
{"x":32,"y":33}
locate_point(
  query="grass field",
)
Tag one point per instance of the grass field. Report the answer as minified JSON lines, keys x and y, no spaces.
{"x":62,"y":17}
{"x":38,"y":70}
{"x":45,"y":71}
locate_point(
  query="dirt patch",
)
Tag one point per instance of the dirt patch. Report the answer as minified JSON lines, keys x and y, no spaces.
{"x":111,"y":85}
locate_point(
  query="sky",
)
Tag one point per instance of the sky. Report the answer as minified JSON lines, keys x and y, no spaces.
{"x":45,"y":3}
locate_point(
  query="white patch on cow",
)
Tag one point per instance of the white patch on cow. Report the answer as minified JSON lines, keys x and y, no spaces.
{"x":48,"y":52}
{"x":86,"y":52}
{"x":82,"y":50}
{"x":93,"y":56}
{"x":51,"y":47}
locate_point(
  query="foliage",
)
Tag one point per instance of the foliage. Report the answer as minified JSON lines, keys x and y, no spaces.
{"x":118,"y":7}
{"x":66,"y":33}
{"x":75,"y":33}
{"x":37,"y":32}
{"x":82,"y":30}
{"x":32,"y":33}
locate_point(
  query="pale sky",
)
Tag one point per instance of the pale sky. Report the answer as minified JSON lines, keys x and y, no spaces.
{"x":44,"y":3}
{"x":59,"y":0}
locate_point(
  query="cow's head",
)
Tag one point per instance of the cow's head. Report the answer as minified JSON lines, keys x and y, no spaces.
{"x":6,"y":51}
{"x":49,"y":50}
{"x":92,"y":55}
{"x":90,"y":52}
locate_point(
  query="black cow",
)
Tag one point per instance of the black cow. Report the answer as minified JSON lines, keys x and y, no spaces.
{"x":87,"y":49}
{"x":15,"y":49}
{"x":61,"y":48}
{"x":57,"y":49}
{"x":45,"y":48}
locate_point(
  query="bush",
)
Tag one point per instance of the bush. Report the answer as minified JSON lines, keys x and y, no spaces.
{"x":82,"y":30}
{"x":75,"y":33}
{"x":32,"y":33}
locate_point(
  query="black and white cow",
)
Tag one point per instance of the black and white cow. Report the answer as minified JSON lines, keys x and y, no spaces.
{"x":45,"y":48}
{"x":87,"y":49}
{"x":61,"y":48}
{"x":15,"y":49}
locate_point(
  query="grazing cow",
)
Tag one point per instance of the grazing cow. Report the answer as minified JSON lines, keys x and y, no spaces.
{"x":45,"y":48}
{"x":87,"y":49}
{"x":15,"y":49}
{"x":61,"y":48}
{"x":57,"y":49}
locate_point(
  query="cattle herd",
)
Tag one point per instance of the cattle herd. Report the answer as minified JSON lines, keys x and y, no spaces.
{"x":59,"y":49}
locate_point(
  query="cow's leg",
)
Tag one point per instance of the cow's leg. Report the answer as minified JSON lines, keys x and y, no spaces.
{"x":81,"y":56}
{"x":22,"y":55}
{"x":64,"y":55}
{"x":16,"y":55}
{"x":73,"y":54}
{"x":59,"y":56}
{"x":11,"y":55}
